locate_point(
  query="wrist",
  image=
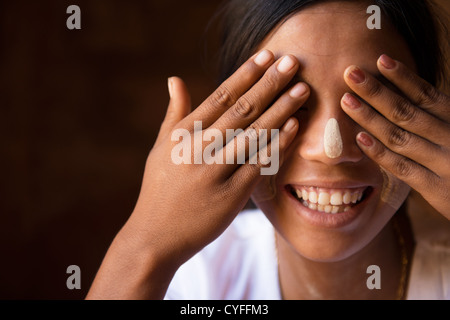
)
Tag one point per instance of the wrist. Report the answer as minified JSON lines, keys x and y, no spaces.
{"x":148,"y":259}
{"x":133,"y":268}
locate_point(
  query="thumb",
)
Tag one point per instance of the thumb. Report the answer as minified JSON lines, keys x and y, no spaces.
{"x":179,"y":104}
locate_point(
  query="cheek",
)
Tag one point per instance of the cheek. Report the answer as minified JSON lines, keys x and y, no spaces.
{"x":265,"y":190}
{"x":394,"y":191}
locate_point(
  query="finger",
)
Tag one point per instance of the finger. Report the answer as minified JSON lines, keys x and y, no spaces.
{"x":417,"y":90}
{"x":393,"y":137}
{"x":232,"y":89}
{"x":253,"y":103}
{"x":179,"y":104}
{"x":283,"y":108}
{"x":246,"y":175}
{"x":416,"y":176}
{"x":248,"y":142}
{"x":394,"y":107}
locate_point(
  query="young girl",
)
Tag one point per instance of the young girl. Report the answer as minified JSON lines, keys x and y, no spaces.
{"x":361,"y":125}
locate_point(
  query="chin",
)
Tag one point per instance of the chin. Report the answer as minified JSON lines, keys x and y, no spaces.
{"x":323,"y":236}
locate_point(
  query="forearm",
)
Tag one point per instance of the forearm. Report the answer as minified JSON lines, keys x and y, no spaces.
{"x":131,"y":271}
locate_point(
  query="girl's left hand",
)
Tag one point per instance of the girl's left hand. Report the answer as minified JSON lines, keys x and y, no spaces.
{"x":409,"y":133}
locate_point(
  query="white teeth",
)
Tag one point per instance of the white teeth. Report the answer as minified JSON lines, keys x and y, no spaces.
{"x":355,"y":197}
{"x":312,"y":197}
{"x":336,"y":199}
{"x":328,"y":208}
{"x":304,"y":194}
{"x":330,"y":202}
{"x":312,"y":206}
{"x":324,"y":198}
{"x":347,"y":198}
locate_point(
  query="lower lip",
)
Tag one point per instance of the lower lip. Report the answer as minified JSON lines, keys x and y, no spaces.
{"x":328,"y":220}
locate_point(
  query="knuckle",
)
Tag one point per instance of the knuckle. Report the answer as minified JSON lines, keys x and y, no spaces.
{"x":380,"y":152}
{"x":403,"y":111}
{"x":369,"y":114}
{"x":271,"y":83}
{"x":398,"y":137}
{"x":374,"y":89}
{"x":252,"y":132}
{"x":243,"y":108}
{"x":428,"y":94}
{"x":402,"y":167}
{"x":223,"y":96}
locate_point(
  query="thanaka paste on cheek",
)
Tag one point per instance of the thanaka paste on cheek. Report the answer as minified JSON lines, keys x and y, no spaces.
{"x":332,"y":140}
{"x":266,"y":190}
{"x":394,"y":190}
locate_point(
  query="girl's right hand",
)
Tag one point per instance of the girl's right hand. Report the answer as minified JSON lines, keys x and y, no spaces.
{"x":181,"y":208}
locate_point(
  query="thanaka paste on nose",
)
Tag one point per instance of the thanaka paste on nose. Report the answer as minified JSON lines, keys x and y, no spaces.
{"x":332,"y":140}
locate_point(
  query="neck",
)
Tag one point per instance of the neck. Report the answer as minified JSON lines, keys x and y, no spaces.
{"x":302,"y":278}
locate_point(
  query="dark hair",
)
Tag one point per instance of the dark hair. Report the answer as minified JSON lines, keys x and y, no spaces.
{"x":247,"y":22}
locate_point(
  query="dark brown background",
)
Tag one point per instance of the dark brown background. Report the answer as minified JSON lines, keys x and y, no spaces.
{"x":79,"y":113}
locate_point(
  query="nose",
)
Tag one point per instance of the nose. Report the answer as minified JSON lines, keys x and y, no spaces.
{"x":329,"y":136}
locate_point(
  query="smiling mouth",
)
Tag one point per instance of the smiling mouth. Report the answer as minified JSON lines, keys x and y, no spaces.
{"x":330,"y":201}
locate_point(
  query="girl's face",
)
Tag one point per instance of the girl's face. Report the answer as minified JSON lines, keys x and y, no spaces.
{"x":327,"y":38}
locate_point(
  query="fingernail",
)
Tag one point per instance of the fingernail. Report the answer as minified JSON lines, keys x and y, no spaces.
{"x":298,"y":90}
{"x":286,"y":64}
{"x":357,"y":75}
{"x":170,"y":85}
{"x":263,"y":58}
{"x":289,"y":125}
{"x":365,"y":139}
{"x":387,"y":62}
{"x":350,"y":101}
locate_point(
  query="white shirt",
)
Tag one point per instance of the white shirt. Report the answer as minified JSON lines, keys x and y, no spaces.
{"x":242,"y":264}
